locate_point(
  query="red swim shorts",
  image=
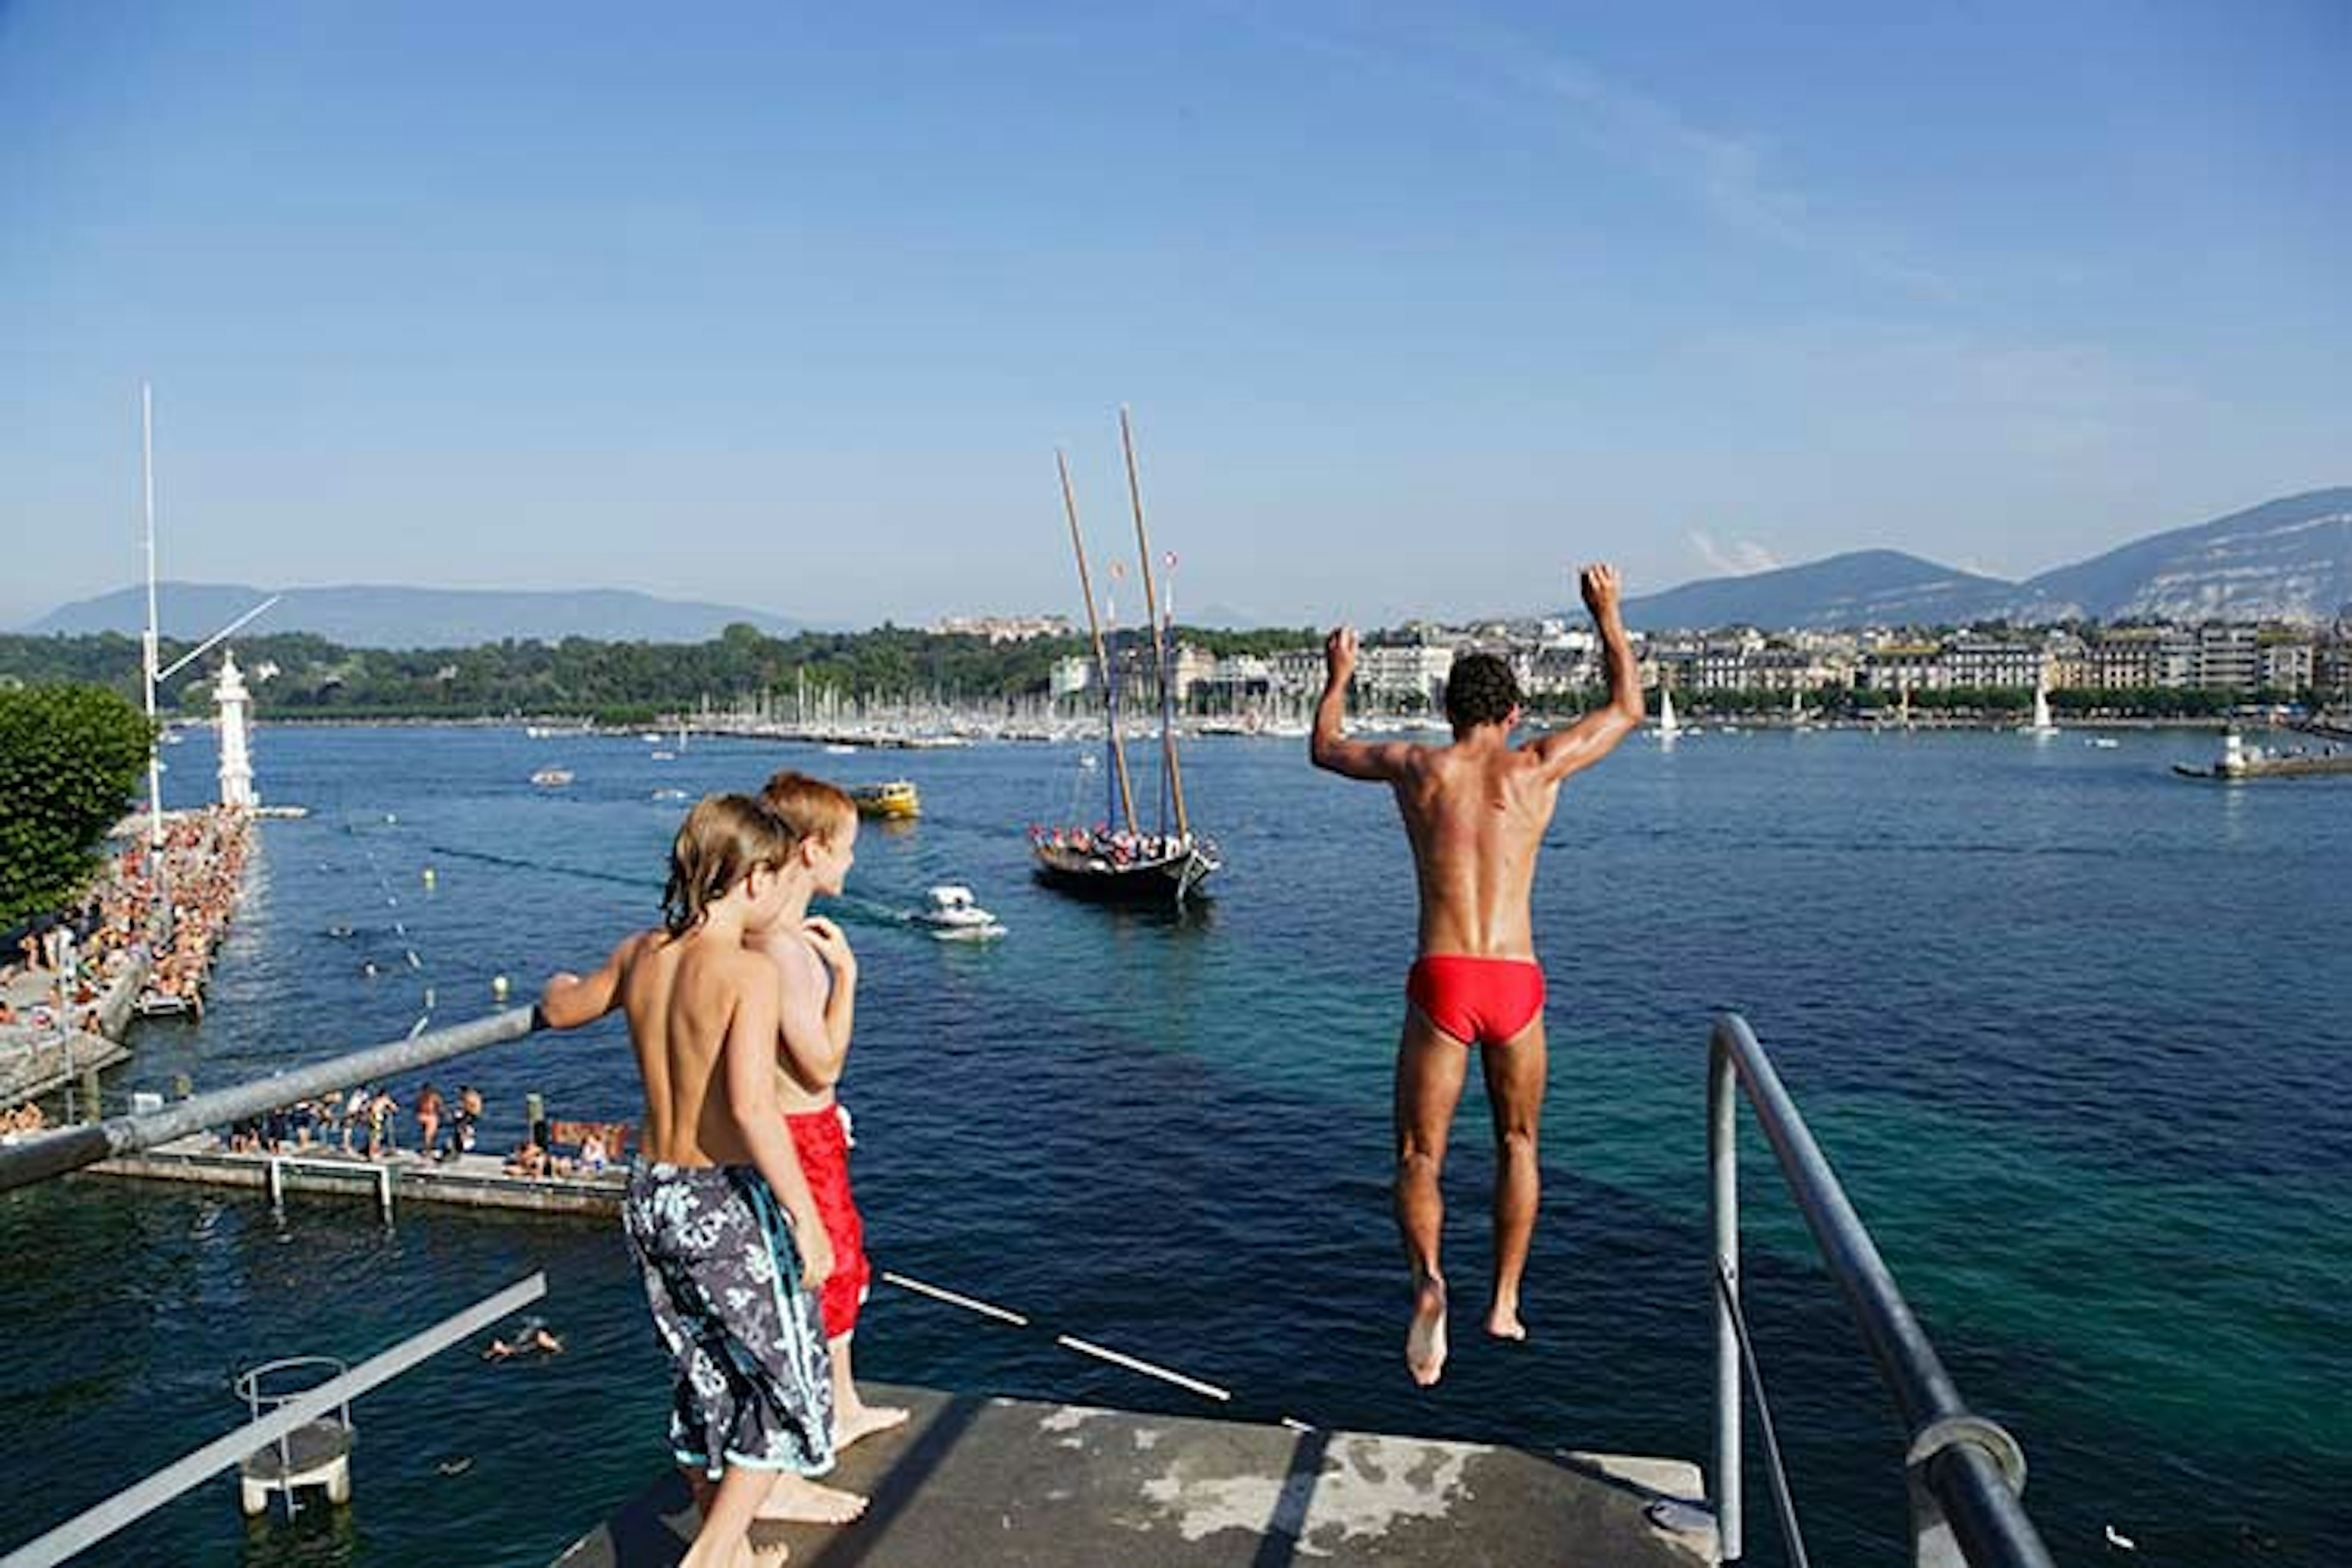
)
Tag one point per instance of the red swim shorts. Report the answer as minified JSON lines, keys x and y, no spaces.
{"x":823,"y":1150}
{"x":1478,"y":1001}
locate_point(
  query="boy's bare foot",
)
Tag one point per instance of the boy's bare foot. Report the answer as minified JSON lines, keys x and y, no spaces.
{"x":1424,"y":1342}
{"x":797,"y":1499}
{"x":864,"y":1421}
{"x":1503,"y":1322}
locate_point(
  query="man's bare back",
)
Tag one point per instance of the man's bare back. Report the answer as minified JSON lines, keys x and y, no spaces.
{"x":1475,"y":813}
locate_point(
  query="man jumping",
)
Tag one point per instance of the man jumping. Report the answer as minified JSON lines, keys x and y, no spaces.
{"x":1475,"y":812}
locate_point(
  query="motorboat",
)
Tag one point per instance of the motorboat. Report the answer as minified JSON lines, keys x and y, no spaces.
{"x":552,"y":778}
{"x":950,"y":913}
{"x":896,"y":801}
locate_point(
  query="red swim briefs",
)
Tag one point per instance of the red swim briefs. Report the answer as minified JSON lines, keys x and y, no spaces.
{"x":1478,"y":1001}
{"x":823,"y":1150}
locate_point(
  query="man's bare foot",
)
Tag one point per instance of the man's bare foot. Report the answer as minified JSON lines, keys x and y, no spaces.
{"x":864,"y":1421}
{"x":1424,"y":1342}
{"x":797,"y":1499}
{"x":1503,"y":1322}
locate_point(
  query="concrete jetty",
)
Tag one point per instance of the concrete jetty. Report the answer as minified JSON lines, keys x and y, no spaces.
{"x":37,"y":1060}
{"x":474,"y":1181}
{"x":976,"y":1481}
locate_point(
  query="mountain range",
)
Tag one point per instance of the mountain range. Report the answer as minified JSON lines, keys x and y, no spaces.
{"x":2288,"y":559}
{"x":367,"y":615}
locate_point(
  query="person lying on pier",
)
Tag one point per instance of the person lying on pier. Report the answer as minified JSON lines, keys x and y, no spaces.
{"x":1475,"y":813}
{"x":717,"y":1213}
{"x":816,"y":974}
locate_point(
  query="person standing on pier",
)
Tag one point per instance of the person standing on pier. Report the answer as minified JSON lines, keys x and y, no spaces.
{"x":731,"y":1284}
{"x":1475,"y":813}
{"x":818,"y":975}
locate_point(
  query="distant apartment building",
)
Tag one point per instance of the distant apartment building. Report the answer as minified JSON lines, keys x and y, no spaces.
{"x":1189,"y":667}
{"x":1990,"y":663}
{"x":2127,"y":657}
{"x":1404,"y":673}
{"x":2288,"y":661}
{"x":2229,"y":658}
{"x":1233,"y":683}
{"x":1073,"y":673}
{"x":1003,"y":628}
{"x":1903,"y":667}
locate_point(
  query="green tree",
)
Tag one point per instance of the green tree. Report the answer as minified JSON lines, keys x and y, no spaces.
{"x":70,"y":757}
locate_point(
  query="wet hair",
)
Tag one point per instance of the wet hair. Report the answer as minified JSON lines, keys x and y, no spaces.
{"x":811,"y":808}
{"x":725,"y":838}
{"x":1480,"y":689}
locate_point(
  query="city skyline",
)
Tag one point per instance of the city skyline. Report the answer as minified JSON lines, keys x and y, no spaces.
{"x":1413,"y":312}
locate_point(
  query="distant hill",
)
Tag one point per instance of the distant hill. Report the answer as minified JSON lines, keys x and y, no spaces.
{"x":1864,"y":587}
{"x":2289,"y":559}
{"x":371,"y":616}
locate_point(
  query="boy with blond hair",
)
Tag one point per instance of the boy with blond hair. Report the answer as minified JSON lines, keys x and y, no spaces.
{"x":717,"y":1213}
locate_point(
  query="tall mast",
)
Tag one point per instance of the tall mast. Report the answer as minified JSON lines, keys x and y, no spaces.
{"x":154,"y":655}
{"x":1159,"y":643}
{"x":1102,"y":657}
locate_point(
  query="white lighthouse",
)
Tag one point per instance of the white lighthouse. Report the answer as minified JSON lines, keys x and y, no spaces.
{"x":236,"y":759}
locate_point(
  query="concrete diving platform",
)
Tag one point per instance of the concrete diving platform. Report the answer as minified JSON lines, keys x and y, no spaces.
{"x":976,"y":1481}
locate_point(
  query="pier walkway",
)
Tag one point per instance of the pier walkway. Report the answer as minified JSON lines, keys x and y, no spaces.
{"x":477,"y":1181}
{"x":36,"y":1058}
{"x":977,"y":1481}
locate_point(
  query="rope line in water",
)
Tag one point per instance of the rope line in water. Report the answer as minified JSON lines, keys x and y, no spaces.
{"x":1072,"y":1342}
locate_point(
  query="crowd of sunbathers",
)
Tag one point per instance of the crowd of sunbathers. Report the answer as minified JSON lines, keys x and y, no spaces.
{"x":175,"y":916}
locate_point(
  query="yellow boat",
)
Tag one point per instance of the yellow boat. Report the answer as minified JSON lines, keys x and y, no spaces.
{"x":896,"y":801}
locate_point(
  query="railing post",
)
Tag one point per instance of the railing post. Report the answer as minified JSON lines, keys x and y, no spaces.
{"x":1723,"y":1208}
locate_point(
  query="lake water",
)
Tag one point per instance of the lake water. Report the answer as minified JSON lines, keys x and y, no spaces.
{"x":2072,"y":1031}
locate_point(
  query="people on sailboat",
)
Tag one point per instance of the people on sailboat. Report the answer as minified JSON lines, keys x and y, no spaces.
{"x":1475,"y":812}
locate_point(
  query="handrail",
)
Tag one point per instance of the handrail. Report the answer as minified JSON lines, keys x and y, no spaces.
{"x":134,"y":1503}
{"x":38,"y":1157}
{"x":1965,"y":1472}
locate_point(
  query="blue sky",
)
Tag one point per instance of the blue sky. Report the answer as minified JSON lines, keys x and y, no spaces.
{"x":1416,"y":305}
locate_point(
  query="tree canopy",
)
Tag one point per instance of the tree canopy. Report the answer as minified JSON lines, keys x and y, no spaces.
{"x":70,"y":757}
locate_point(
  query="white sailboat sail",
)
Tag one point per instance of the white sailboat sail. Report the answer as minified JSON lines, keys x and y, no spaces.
{"x":1667,"y":728}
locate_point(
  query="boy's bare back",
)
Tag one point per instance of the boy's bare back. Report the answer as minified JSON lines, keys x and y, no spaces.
{"x":690,"y":1000}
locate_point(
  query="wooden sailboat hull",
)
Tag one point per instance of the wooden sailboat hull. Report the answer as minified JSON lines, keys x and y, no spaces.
{"x":1171,"y":879}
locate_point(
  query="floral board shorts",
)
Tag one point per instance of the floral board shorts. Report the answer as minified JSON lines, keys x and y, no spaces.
{"x":750,"y":1382}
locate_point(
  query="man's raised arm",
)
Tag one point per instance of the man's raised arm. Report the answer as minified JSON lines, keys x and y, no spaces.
{"x":1596,"y":734}
{"x":1329,"y":746}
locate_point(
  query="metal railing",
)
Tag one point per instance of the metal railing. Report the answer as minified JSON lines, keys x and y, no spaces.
{"x":47,"y":1155}
{"x":136,"y":1501}
{"x":44,"y":1156}
{"x":1966,"y":1474}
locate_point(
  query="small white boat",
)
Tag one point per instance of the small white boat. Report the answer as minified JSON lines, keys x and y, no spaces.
{"x":552,"y":778}
{"x":950,"y":914}
{"x":661,"y":756}
{"x":2102,"y":743}
{"x":668,"y":794}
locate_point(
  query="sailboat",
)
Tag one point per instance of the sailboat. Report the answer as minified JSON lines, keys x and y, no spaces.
{"x":1118,"y":860}
{"x":2042,"y":724}
{"x":1668,"y":730}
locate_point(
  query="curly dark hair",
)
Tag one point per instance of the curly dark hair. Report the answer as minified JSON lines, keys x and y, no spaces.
{"x":1481,"y":689}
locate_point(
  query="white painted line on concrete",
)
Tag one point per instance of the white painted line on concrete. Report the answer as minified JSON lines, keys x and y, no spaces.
{"x":1148,"y":1369}
{"x":1296,"y":1425}
{"x":917,"y":1286}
